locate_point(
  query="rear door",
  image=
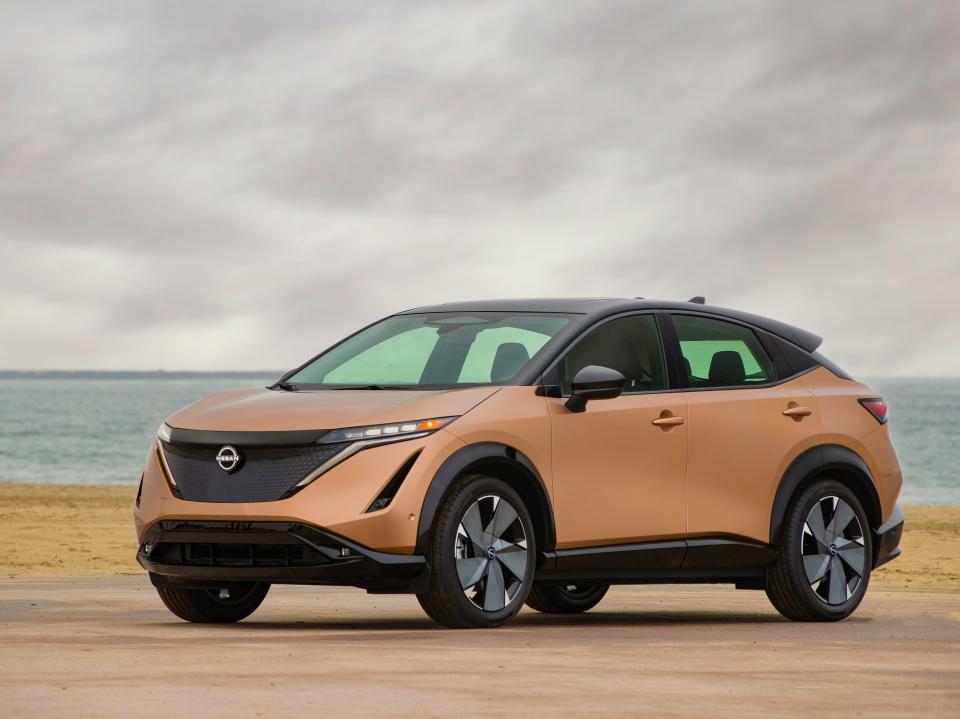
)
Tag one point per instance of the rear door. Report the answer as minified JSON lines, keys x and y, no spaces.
{"x":618,"y":478}
{"x":745,"y":426}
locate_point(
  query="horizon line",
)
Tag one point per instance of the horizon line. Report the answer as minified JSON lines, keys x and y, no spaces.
{"x":50,"y":372}
{"x":76,"y":373}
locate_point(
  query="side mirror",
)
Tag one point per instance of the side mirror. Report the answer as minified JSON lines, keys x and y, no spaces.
{"x":594,"y":382}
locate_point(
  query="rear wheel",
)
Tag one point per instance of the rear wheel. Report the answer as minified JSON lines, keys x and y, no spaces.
{"x":826,"y":554}
{"x":481,"y":555}
{"x":566,"y":598}
{"x":230,"y":603}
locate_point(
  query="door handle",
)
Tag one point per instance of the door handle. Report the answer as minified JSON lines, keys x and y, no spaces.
{"x":797,"y":412}
{"x":667,"y":421}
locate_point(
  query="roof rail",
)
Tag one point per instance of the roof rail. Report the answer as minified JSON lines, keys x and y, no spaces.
{"x":698,"y":300}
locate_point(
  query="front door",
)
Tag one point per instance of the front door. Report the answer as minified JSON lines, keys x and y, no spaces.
{"x":618,"y":477}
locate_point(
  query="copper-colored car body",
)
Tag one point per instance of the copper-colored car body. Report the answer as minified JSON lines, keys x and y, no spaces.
{"x":688,"y":481}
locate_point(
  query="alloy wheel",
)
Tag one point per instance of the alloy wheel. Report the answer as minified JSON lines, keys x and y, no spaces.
{"x":233,"y":595}
{"x":578,"y":591}
{"x":834,"y":555}
{"x":491,"y":553}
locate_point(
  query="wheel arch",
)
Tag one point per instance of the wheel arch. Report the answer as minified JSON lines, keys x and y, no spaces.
{"x":497,"y":460}
{"x":831,"y":461}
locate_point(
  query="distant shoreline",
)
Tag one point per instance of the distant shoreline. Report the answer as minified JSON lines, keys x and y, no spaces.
{"x":242,"y":374}
{"x":136,"y":374}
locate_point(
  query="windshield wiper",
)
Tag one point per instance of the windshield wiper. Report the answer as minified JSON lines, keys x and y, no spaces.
{"x":285,"y":386}
{"x":369,"y":386}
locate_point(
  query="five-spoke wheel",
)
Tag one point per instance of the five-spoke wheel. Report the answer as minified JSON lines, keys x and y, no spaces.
{"x":834,"y":557}
{"x":481,"y":555}
{"x":825,"y":555}
{"x":230,"y":603}
{"x":566,"y":598}
{"x":491,"y":553}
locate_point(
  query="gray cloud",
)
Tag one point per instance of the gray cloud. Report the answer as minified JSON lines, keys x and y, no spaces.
{"x":195,"y":185}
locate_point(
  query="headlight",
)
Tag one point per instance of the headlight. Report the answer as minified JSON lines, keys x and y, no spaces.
{"x":163,"y":433}
{"x":359,"y":438}
{"x":377,"y":433}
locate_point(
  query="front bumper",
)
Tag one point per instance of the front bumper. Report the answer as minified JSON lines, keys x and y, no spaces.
{"x":200,"y":553}
{"x":886,"y":538}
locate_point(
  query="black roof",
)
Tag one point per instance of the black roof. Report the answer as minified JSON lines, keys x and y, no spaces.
{"x":595,"y":308}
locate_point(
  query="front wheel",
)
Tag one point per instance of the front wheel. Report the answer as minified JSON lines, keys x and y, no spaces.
{"x":482,"y":555}
{"x":823,"y":568}
{"x":230,"y":603}
{"x":567,"y":598}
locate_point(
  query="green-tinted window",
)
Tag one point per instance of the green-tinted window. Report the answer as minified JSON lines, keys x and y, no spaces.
{"x":434,"y":351}
{"x":721,"y":354}
{"x":479,"y":362}
{"x":396,"y":360}
{"x":630,"y":345}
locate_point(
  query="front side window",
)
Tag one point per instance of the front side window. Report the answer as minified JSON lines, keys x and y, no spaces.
{"x":434,"y":351}
{"x":721,"y":354}
{"x":630,"y":345}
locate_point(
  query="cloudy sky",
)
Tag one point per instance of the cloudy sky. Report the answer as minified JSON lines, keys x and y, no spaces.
{"x":232,"y":185}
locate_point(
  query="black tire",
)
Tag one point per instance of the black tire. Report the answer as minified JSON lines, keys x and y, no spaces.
{"x":566,"y":599}
{"x":446,"y":600}
{"x":206,"y":606}
{"x":791,"y":582}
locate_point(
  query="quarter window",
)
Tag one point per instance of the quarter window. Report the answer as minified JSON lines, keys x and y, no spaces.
{"x":721,"y":354}
{"x":630,"y":345}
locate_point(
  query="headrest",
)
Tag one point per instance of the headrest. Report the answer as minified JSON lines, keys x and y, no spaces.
{"x":726,"y":368}
{"x":510,"y":357}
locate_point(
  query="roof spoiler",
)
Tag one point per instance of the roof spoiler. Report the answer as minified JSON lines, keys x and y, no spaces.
{"x":800,"y":337}
{"x":804,"y":339}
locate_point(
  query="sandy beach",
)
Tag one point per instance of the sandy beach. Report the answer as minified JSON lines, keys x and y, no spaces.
{"x":80,"y":530}
{"x":84,"y":634}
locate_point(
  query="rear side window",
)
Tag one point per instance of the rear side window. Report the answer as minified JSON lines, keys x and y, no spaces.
{"x":630,"y":345}
{"x":721,"y":354}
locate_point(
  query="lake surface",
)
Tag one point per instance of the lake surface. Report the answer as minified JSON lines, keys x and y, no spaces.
{"x":97,"y":431}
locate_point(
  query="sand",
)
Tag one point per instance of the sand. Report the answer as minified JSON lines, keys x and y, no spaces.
{"x":97,"y":645}
{"x":80,"y":530}
{"x":103,"y":647}
{"x":48,"y":529}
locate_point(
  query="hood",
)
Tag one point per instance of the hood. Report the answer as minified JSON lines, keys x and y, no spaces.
{"x":264,"y":410}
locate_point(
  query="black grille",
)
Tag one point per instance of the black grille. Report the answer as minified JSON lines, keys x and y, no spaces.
{"x":264,"y":475}
{"x":201,"y":554}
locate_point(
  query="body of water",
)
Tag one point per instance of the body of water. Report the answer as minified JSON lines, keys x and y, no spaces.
{"x":97,"y":430}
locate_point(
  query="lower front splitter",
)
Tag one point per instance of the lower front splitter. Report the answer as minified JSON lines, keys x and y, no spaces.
{"x":191,"y":553}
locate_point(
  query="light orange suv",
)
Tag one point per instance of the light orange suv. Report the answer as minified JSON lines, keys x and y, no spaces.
{"x":483,"y":455}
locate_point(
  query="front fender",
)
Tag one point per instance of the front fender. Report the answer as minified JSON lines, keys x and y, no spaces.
{"x":486,"y":455}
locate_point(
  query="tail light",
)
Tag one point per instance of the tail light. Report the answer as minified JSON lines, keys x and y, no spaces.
{"x":878,"y":407}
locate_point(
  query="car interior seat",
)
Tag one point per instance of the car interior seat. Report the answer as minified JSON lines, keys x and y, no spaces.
{"x":508,"y":360}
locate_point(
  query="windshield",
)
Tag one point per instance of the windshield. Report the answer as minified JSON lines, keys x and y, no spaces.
{"x":433,"y":351}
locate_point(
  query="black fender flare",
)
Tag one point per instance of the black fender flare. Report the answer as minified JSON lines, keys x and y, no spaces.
{"x":820,"y":460}
{"x":473,"y":456}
